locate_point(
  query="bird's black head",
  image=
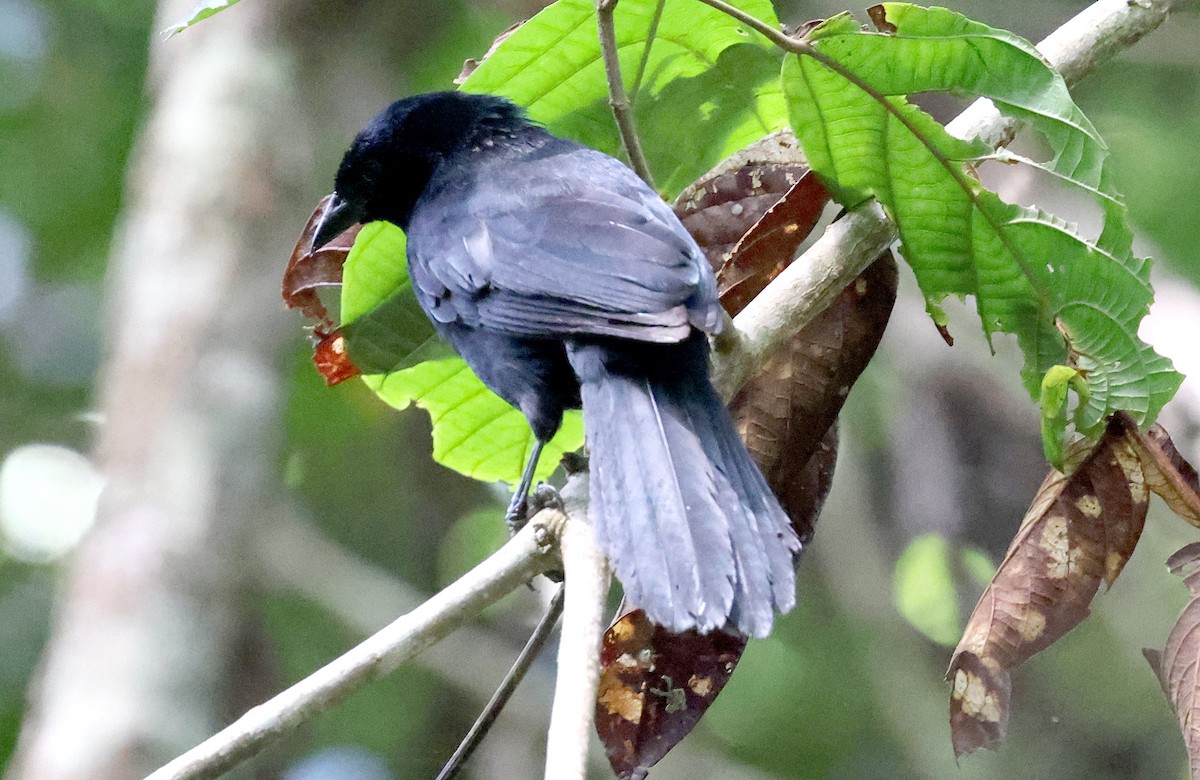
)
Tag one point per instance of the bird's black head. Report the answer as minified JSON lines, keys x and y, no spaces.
{"x":391,"y":161}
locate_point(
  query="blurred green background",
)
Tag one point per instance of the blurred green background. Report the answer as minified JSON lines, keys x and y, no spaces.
{"x":937,"y":444}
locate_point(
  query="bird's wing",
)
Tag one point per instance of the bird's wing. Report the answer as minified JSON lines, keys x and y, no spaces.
{"x":560,"y":244}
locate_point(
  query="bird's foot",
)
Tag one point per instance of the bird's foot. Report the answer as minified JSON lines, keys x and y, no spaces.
{"x":517,"y":515}
{"x":545,"y":496}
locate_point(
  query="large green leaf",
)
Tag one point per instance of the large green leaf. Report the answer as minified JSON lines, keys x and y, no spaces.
{"x":384,"y":326}
{"x":705,"y":80}
{"x":708,"y":86}
{"x":475,"y":432}
{"x":1067,"y":299}
{"x":391,"y":340}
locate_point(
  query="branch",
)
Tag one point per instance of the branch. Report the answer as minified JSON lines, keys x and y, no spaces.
{"x":297,"y":557}
{"x":618,"y":99}
{"x":526,"y":555}
{"x":578,"y":652}
{"x":807,"y":286}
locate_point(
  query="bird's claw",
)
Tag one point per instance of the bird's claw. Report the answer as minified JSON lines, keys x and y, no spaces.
{"x":545,"y":496}
{"x":516,"y":516}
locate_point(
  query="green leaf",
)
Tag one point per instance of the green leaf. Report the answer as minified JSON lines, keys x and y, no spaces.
{"x":200,"y":13}
{"x":383,"y":324}
{"x":1067,"y":300}
{"x":475,"y":432}
{"x":709,"y":86}
{"x":392,"y":341}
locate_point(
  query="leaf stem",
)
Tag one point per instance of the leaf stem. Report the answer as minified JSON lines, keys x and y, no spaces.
{"x":617,"y":97}
{"x":772,"y":33}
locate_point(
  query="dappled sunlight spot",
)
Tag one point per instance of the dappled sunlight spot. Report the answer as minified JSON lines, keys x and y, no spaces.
{"x":48,"y":497}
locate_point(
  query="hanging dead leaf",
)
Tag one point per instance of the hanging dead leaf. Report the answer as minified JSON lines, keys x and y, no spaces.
{"x":1177,"y":662}
{"x":1079,"y":531}
{"x":786,"y":412}
{"x":307,"y":271}
{"x":1169,"y":475}
{"x":654,"y":686}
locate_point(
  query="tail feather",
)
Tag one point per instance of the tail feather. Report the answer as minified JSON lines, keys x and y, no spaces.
{"x":694,"y":533}
{"x":774,"y":527}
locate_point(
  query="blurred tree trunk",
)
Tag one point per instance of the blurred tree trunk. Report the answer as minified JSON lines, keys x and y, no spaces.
{"x":138,"y":665}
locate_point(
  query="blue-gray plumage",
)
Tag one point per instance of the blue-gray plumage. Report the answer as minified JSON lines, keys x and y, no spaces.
{"x":563,"y":280}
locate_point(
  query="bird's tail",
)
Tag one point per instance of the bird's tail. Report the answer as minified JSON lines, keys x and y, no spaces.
{"x":694,"y":533}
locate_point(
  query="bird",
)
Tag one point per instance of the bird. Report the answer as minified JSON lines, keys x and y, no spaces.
{"x":565,"y":281}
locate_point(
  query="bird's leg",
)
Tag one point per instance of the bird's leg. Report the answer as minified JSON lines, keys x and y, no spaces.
{"x":514,"y":517}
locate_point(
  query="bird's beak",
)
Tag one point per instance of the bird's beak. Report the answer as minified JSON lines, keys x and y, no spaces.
{"x":339,"y":216}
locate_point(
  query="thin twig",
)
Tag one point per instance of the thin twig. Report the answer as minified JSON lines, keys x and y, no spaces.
{"x":618,"y":99}
{"x":651,"y":35}
{"x":578,"y":654}
{"x":482,"y":725}
{"x":524,"y":556}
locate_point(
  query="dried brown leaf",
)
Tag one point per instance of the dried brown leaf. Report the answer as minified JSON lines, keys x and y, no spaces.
{"x":654,"y":686}
{"x":1178,"y":664}
{"x":307,"y":270}
{"x":770,"y":244}
{"x":1169,"y":475}
{"x":785,"y":412}
{"x":1079,"y":531}
{"x":723,"y":205}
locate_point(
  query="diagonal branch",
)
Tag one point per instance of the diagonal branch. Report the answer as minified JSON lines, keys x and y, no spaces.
{"x":526,"y":555}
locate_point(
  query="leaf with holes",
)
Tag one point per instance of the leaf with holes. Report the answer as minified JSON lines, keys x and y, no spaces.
{"x":1068,"y":300}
